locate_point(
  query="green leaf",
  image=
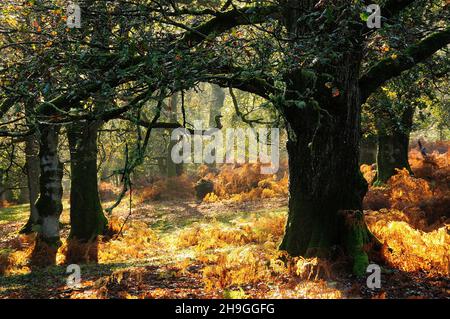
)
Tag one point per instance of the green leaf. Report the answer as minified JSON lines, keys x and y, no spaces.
{"x":364,"y":16}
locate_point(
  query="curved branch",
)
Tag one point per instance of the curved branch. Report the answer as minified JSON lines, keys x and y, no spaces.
{"x":224,"y":21}
{"x":6,"y":105}
{"x":393,"y":66}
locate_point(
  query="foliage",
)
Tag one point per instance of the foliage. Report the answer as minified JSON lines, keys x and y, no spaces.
{"x":180,"y":187}
{"x":240,"y":183}
{"x":410,"y":214}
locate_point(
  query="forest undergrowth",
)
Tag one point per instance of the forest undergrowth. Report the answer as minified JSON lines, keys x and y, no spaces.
{"x":234,"y":254}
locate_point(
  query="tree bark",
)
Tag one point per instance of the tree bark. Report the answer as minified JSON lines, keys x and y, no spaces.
{"x":368,"y":150}
{"x":3,"y":187}
{"x":326,"y":187}
{"x":393,"y":146}
{"x":392,"y":154}
{"x":33,"y":171}
{"x":49,"y":204}
{"x":218,"y":98}
{"x":86,"y":214}
{"x":172,"y":168}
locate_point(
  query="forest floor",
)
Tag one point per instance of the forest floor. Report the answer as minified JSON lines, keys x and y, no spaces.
{"x":226,"y":246}
{"x":184,"y":249}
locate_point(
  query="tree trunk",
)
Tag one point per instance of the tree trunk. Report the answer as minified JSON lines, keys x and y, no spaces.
{"x":3,"y":187}
{"x":392,"y":153}
{"x":218,"y":98}
{"x":326,"y":187}
{"x":6,"y":194}
{"x":32,"y":168}
{"x":172,"y":168}
{"x":49,"y":205}
{"x":393,"y":146}
{"x":368,"y":151}
{"x":86,"y":214}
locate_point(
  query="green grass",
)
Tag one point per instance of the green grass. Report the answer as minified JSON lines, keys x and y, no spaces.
{"x":14,"y":213}
{"x":20,"y":213}
{"x":42,"y":282}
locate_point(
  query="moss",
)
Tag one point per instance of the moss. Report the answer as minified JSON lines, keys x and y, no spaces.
{"x":356,"y":238}
{"x":378,"y":183}
{"x":360,"y":263}
{"x":14,"y":213}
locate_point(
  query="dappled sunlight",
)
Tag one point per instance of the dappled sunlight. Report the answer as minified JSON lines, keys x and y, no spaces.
{"x":412,"y":249}
{"x":235,"y":254}
{"x":411,"y":213}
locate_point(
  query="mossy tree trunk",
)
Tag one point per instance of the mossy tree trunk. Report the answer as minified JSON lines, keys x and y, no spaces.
{"x":49,"y":204}
{"x":393,"y":145}
{"x":32,"y":169}
{"x":86,"y":214}
{"x":326,"y":187}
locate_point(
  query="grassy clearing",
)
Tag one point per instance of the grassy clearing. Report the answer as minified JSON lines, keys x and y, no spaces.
{"x":16,"y":213}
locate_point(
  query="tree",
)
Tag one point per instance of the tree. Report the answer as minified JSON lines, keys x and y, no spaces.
{"x":33,"y":172}
{"x":217,"y":101}
{"x":87,"y":219}
{"x":49,"y":203}
{"x":173,"y":169}
{"x":393,"y":108}
{"x":321,"y":105}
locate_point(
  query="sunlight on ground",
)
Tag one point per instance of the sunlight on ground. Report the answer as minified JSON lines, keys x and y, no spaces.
{"x":212,"y":250}
{"x":16,"y":213}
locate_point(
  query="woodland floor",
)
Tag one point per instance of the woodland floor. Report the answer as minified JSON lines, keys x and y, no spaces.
{"x":184,"y":249}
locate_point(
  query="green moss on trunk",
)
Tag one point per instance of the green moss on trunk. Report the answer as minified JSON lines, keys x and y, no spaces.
{"x":324,"y":175}
{"x":356,"y":239}
{"x":86,"y":213}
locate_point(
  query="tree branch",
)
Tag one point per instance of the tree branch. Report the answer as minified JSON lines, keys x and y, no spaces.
{"x":224,"y":21}
{"x":393,"y":66}
{"x":213,"y":27}
{"x":263,"y":87}
{"x":6,"y":105}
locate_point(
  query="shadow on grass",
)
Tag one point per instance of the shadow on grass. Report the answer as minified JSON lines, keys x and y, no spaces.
{"x":50,"y":281}
{"x":180,"y":214}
